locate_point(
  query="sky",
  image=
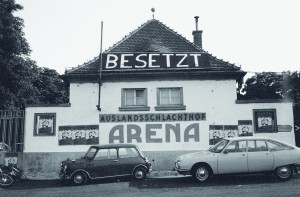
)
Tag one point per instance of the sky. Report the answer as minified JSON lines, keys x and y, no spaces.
{"x":258,"y":35}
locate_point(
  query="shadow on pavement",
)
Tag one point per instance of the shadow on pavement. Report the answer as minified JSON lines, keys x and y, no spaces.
{"x":152,"y":183}
{"x":185,"y":182}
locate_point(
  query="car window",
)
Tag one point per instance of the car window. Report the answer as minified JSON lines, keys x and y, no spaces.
{"x":91,"y":152}
{"x":277,"y":146}
{"x":257,"y":146}
{"x":237,"y":146}
{"x":218,"y":147}
{"x":128,"y":152}
{"x":104,"y":154}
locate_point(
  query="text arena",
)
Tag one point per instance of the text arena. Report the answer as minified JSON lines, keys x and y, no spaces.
{"x":154,"y":133}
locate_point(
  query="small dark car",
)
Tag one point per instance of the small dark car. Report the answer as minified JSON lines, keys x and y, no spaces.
{"x":106,"y":161}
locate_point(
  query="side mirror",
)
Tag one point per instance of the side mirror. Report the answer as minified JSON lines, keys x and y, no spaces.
{"x":225,"y":151}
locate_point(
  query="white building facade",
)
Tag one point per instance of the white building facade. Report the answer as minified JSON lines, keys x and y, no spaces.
{"x":157,"y":90}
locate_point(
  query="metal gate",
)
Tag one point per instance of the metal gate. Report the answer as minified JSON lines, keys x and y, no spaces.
{"x":12,"y":129}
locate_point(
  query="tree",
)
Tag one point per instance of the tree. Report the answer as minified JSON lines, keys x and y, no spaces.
{"x":21,"y":80}
{"x":262,"y":86}
{"x":51,"y":88}
{"x":270,"y":85}
{"x":15,"y":76}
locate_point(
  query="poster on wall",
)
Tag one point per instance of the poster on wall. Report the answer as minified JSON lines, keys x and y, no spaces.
{"x":216,"y":133}
{"x":265,"y":120}
{"x":230,"y":131}
{"x":44,"y":124}
{"x":245,"y":128}
{"x":11,"y":158}
{"x":78,"y":135}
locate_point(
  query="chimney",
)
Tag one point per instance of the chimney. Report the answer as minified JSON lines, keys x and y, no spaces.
{"x":197,"y":34}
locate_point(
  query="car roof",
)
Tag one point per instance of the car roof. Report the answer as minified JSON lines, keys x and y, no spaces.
{"x":257,"y":138}
{"x":250,"y":138}
{"x":114,"y":146}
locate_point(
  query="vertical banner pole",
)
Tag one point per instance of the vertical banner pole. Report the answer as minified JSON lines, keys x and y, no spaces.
{"x":100,"y":69}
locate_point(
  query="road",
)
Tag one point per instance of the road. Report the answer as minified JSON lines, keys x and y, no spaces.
{"x":254,"y":185}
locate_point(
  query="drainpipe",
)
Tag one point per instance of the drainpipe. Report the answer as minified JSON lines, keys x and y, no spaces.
{"x":100,"y":70}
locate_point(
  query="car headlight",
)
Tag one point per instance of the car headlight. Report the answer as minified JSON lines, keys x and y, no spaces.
{"x":146,"y":159}
{"x":177,"y":164}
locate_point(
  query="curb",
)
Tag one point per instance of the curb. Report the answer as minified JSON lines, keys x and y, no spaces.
{"x":153,"y":174}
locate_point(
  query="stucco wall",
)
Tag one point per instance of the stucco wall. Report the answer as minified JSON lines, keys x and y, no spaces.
{"x":215,"y":98}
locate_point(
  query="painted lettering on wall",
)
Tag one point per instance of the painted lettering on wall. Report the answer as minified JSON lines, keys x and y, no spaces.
{"x":151,"y":117}
{"x":153,"y":60}
{"x":154,"y":133}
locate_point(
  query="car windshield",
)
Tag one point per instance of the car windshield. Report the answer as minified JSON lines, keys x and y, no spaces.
{"x":90,"y":153}
{"x":218,"y":147}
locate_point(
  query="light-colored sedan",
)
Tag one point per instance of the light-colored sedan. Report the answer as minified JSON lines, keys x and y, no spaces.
{"x":241,"y":155}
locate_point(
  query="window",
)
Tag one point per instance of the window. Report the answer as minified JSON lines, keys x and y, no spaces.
{"x":237,"y":146}
{"x":277,"y":146}
{"x":265,"y":120}
{"x":257,"y":145}
{"x":134,"y":100}
{"x":104,"y":154}
{"x":128,"y":152}
{"x":217,"y":148}
{"x":170,"y":99}
{"x":44,"y":124}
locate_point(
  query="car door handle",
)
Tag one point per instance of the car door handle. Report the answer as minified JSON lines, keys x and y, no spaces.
{"x":243,"y":154}
{"x":115,"y":160}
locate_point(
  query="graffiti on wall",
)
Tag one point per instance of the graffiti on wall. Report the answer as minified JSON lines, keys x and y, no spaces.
{"x":78,"y":135}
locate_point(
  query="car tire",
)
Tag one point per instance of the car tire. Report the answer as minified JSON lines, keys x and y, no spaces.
{"x":139,"y":174}
{"x":79,"y":178}
{"x":284,"y":173}
{"x":6,"y":180}
{"x":201,"y":173}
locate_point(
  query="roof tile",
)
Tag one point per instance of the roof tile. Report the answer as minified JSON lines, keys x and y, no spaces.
{"x":154,"y":36}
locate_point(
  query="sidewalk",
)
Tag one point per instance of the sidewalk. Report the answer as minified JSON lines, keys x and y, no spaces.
{"x":152,"y":174}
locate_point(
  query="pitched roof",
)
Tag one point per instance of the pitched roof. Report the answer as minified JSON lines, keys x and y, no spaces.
{"x":154,"y":36}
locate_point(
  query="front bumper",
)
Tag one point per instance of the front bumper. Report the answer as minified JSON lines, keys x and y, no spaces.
{"x":181,"y":171}
{"x":64,"y":176}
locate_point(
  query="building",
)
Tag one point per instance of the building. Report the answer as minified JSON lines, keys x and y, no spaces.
{"x":157,"y":90}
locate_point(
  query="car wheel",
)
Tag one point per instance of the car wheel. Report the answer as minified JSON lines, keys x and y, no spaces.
{"x":6,"y":180}
{"x":284,"y":173}
{"x":79,"y":178}
{"x":201,"y":173}
{"x":139,"y":174}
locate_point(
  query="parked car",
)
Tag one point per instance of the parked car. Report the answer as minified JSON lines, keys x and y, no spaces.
{"x":105,"y":161}
{"x":241,"y":155}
